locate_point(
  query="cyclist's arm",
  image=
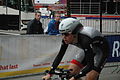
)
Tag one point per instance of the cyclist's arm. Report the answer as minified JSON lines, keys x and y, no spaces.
{"x":90,"y":62}
{"x":59,"y":56}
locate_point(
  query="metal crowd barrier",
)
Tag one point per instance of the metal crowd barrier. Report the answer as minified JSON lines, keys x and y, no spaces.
{"x":108,"y":25}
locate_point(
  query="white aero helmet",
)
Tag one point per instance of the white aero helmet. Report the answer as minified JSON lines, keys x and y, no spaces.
{"x":70,"y":25}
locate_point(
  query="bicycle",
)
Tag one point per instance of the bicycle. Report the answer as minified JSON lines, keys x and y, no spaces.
{"x":62,"y":74}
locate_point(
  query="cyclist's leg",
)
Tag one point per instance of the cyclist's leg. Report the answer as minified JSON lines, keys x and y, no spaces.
{"x":92,"y":75}
{"x":99,"y":61}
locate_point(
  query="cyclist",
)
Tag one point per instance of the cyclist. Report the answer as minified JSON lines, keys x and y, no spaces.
{"x":91,"y":60}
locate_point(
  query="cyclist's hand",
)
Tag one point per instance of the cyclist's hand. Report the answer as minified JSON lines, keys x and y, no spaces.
{"x":46,"y":77}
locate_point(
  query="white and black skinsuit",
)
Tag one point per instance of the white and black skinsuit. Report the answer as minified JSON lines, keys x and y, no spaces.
{"x":94,"y":52}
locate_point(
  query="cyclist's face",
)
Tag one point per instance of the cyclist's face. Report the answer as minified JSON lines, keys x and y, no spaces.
{"x":68,"y":38}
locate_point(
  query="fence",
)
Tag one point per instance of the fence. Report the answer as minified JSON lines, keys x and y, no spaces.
{"x":91,"y":7}
{"x":85,"y":7}
{"x":108,"y":25}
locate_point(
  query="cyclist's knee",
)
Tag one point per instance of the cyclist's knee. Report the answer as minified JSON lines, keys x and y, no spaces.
{"x":92,"y":75}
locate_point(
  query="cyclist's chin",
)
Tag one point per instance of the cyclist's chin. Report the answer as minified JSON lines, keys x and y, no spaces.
{"x":67,"y":42}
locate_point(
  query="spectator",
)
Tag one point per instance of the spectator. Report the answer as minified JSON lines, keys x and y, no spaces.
{"x":54,"y":25}
{"x":35,"y":26}
{"x":51,"y":13}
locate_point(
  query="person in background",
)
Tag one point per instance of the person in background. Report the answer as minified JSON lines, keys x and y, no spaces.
{"x":53,"y":25}
{"x":51,"y":13}
{"x":35,"y":26}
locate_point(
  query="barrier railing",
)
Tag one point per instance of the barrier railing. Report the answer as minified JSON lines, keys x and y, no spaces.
{"x":108,"y":25}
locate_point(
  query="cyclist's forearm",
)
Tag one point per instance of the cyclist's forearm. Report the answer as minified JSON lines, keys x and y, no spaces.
{"x":85,"y":70}
{"x":90,"y":63}
{"x":59,"y":56}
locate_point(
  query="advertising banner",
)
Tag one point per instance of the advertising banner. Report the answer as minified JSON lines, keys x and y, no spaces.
{"x":114,"y":44}
{"x":29,"y":54}
{"x":20,"y":55}
{"x":59,"y":6}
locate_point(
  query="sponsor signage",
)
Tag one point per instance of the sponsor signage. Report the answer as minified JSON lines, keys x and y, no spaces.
{"x":114,"y":44}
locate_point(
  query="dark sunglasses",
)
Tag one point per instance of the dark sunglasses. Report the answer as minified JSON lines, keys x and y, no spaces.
{"x":65,"y":34}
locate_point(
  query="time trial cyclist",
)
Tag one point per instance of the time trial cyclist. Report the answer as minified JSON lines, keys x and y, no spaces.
{"x":92,"y":58}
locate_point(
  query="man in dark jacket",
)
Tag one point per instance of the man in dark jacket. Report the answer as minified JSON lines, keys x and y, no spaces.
{"x":35,"y":26}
